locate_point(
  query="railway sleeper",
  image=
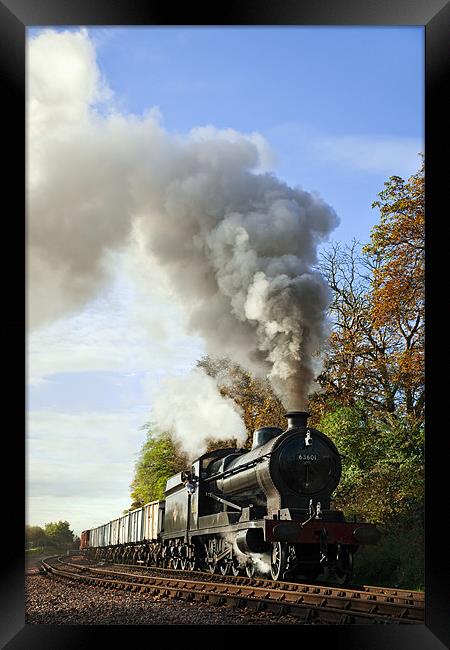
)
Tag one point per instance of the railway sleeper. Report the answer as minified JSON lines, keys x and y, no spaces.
{"x":306,"y":614}
{"x":346,"y":619}
{"x":361,"y":608}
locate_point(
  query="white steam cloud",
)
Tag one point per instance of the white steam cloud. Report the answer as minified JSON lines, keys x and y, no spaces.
{"x":194,"y":410}
{"x":238,"y":246}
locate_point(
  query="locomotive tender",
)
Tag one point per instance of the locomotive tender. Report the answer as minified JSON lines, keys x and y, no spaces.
{"x":266,"y":510}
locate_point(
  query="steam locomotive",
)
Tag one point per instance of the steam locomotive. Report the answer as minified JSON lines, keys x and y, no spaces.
{"x":263,"y":511}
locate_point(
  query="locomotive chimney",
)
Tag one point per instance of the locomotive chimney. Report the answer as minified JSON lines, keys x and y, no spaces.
{"x":297,"y":419}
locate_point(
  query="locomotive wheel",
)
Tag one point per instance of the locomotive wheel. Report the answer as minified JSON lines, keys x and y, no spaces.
{"x":343,"y":568}
{"x":279,"y":559}
{"x":164,"y":559}
{"x":191,"y":564}
{"x":250,"y":568}
{"x":211,"y":555}
{"x":235,"y":568}
{"x":224,"y":567}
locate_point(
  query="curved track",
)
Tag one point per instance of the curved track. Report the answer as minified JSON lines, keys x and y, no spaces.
{"x":311,"y":603}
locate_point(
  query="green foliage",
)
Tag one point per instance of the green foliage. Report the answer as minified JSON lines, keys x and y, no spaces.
{"x":397,"y":560}
{"x":59,"y":533}
{"x":31,"y":552}
{"x":35,"y":537}
{"x":159,"y":459}
{"x":382,"y":464}
{"x":56,"y":534}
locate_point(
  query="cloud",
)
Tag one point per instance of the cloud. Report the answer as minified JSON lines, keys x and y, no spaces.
{"x":80,"y":464}
{"x":63,"y":80}
{"x":68,"y":437}
{"x":92,"y":171}
{"x":136,"y":326}
{"x":371,"y":153}
{"x":80,"y":456}
{"x":81,"y":512}
{"x":364,"y":152}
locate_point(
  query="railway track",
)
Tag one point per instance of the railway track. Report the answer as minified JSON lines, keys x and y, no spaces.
{"x":310,"y":603}
{"x":402,"y":596}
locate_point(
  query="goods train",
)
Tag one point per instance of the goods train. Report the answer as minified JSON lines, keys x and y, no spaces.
{"x":266,"y":510}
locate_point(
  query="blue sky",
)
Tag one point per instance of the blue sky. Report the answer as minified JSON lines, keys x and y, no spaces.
{"x":349,"y":79}
{"x":342,"y":109}
{"x":293,"y":85}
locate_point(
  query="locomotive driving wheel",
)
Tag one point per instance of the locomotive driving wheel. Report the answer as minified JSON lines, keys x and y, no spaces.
{"x":235,"y":568}
{"x":343,"y":568}
{"x":211,"y":555}
{"x":279,"y":560}
{"x":164,"y":562}
{"x":250,"y":568}
{"x":224,"y":567}
{"x":183,"y":554}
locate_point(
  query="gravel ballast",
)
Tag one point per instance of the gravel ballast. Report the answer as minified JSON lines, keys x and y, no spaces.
{"x":56,"y":602}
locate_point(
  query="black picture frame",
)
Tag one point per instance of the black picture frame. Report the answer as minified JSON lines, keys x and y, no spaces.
{"x":15,"y":17}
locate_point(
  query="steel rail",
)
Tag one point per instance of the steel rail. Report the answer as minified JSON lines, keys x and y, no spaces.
{"x":337,"y":607}
{"x":402,"y":596}
{"x":387,"y":594}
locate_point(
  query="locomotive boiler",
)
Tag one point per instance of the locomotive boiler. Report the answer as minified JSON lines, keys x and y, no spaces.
{"x":266,"y":510}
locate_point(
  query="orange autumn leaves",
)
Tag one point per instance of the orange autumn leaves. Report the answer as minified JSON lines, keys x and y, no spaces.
{"x":398,"y":284}
{"x":399,"y":243}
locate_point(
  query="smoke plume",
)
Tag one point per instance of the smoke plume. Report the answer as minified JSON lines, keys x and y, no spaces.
{"x":194,"y":410}
{"x":237,"y":245}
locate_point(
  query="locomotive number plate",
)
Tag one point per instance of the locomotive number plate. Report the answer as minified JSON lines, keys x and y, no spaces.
{"x":307,"y":457}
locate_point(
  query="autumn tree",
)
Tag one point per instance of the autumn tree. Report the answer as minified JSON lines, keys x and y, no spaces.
{"x":398,"y":282}
{"x":372,"y":400}
{"x":360,"y":361}
{"x":376,"y":349}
